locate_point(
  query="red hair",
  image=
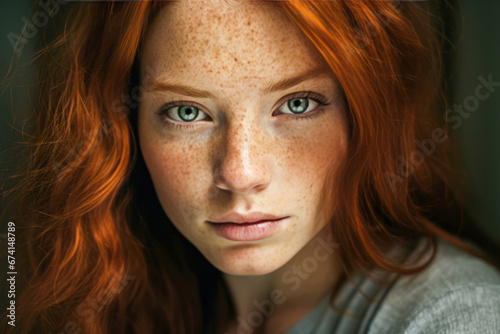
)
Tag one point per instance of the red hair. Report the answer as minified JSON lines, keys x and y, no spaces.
{"x":99,"y":252}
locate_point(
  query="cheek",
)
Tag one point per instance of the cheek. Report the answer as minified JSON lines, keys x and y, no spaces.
{"x":308,"y":155}
{"x":312,"y":156}
{"x":176,"y":170}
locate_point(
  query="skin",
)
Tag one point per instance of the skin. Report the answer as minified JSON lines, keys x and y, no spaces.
{"x":246,"y":151}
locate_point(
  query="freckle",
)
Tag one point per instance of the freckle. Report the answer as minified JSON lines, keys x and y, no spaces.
{"x":236,"y":59}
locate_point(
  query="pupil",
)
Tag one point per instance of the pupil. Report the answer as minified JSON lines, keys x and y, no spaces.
{"x":298,"y":106}
{"x":188,"y":113}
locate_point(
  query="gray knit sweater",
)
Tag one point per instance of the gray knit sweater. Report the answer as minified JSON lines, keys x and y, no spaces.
{"x":458,"y":293}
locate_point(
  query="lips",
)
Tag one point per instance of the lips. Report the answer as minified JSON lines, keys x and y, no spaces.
{"x":249,"y":227}
{"x":252,"y":217}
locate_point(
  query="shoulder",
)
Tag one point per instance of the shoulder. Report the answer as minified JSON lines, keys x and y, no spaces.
{"x":456,"y":293}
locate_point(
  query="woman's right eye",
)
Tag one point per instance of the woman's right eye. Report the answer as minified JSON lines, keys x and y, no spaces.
{"x":183,"y":113}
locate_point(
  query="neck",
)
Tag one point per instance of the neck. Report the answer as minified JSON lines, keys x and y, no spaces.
{"x":281,"y":298}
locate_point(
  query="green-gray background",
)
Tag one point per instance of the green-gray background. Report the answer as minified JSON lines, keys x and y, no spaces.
{"x":478,"y":53}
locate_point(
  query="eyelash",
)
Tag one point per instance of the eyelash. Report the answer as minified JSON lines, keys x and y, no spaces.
{"x":179,"y":126}
{"x":318,"y":98}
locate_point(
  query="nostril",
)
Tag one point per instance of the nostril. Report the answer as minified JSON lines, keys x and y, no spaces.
{"x":241,"y":180}
{"x":220,"y":183}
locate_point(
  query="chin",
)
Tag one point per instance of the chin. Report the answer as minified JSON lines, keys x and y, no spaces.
{"x":244,"y":261}
{"x":247,"y":269}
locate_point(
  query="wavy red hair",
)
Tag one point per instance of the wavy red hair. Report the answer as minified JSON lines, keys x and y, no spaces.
{"x":99,"y":253}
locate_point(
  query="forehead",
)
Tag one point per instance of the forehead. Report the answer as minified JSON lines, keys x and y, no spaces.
{"x":237,"y":40}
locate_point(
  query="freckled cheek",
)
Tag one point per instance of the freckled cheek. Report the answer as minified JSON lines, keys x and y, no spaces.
{"x":312,"y":152}
{"x":176,"y":173}
{"x":309,"y":157}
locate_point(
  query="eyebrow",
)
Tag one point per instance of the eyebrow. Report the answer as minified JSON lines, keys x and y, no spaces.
{"x":293,"y":81}
{"x":278,"y":86}
{"x":181,"y":89}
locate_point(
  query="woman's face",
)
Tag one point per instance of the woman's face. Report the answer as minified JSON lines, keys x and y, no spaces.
{"x":239,"y":114}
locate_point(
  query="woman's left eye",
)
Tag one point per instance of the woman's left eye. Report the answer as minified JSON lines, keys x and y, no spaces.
{"x":297,"y":105}
{"x":300,"y":105}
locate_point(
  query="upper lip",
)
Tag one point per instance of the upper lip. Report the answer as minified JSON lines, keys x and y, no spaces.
{"x":239,"y":218}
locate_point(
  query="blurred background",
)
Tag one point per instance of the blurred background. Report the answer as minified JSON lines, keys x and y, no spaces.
{"x":475,"y":32}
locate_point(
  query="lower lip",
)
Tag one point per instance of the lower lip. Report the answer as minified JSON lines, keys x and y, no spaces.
{"x":247,"y":231}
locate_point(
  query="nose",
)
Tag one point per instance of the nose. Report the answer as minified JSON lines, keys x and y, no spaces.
{"x":243,"y":163}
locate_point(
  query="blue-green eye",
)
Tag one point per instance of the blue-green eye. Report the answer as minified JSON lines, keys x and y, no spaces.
{"x":184,"y":113}
{"x":298,"y":106}
{"x":188,"y":113}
